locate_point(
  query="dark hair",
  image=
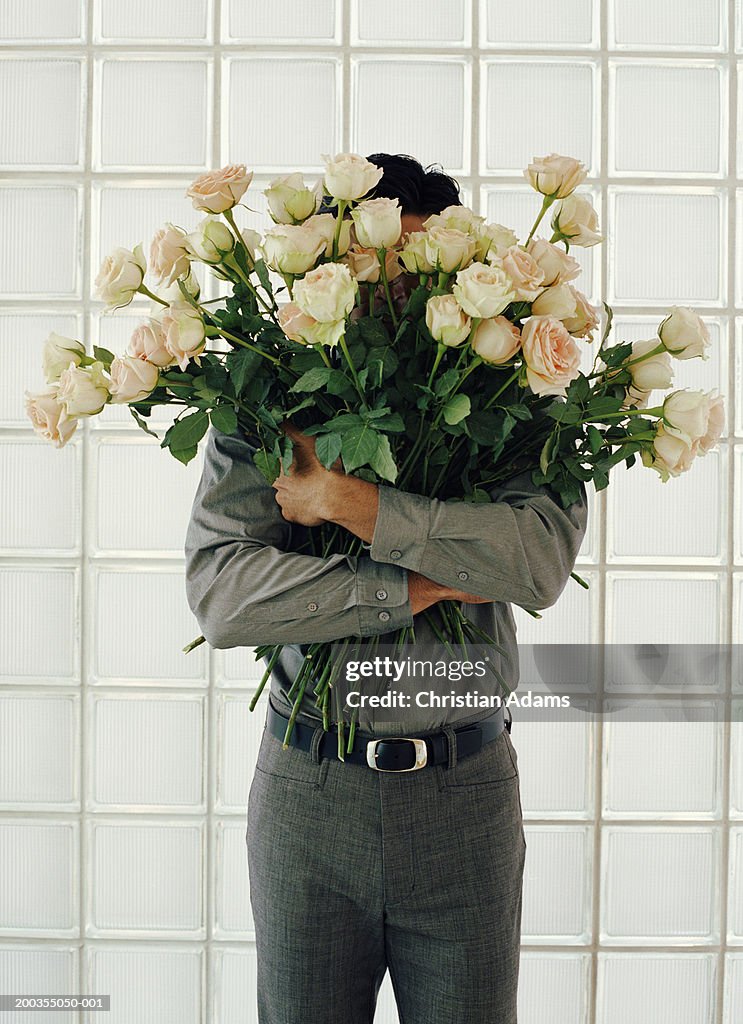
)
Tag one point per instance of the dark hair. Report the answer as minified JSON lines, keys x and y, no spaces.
{"x":420,"y":190}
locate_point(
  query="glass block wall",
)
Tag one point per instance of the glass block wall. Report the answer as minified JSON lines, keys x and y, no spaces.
{"x":125,"y":764}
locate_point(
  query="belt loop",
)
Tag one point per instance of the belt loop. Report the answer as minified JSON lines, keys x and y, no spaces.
{"x":317,"y":736}
{"x":451,"y":741}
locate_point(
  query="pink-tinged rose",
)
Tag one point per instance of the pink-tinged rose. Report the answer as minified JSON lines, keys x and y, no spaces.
{"x":169,"y":258}
{"x":585,"y":319}
{"x":669,"y":455}
{"x":120,"y":276}
{"x":493,"y":240}
{"x":185,"y":334}
{"x":551,"y":355}
{"x":83,"y":390}
{"x":557,"y":301}
{"x":132,"y":379}
{"x":715,"y":424}
{"x":217,"y":191}
{"x":148,"y":342}
{"x":558,"y":266}
{"x":364,"y":264}
{"x":49,"y":417}
{"x":686,"y":412}
{"x":555,"y":175}
{"x":294,"y":322}
{"x":524,"y":271}
{"x":496,"y":340}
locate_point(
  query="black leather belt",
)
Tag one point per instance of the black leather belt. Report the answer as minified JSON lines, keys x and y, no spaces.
{"x":393,"y":753}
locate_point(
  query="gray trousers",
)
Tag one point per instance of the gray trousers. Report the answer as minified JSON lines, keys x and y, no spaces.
{"x":354,"y":871}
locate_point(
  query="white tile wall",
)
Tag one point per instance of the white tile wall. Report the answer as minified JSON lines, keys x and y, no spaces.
{"x":125,"y":763}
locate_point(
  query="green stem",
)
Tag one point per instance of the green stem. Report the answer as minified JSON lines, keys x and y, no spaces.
{"x":342,"y":204}
{"x":439,"y":353}
{"x":352,"y":368}
{"x":386,"y":284}
{"x":629,"y":362}
{"x":146,"y":291}
{"x":546,"y":203}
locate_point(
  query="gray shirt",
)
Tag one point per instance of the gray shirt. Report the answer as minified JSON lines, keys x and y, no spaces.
{"x":247,"y":584}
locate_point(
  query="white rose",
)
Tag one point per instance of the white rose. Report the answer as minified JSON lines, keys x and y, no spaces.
{"x":289,"y":199}
{"x":670,"y":455}
{"x":585,"y":319}
{"x":327,"y":293}
{"x":558,"y":301}
{"x":413,"y":254}
{"x":493,"y":240}
{"x":217,"y":191}
{"x":58,"y":353}
{"x":686,"y":414}
{"x":555,"y":175}
{"x":324,"y":226}
{"x":652,"y":372}
{"x":576,"y":221}
{"x":459,"y":217}
{"x":558,"y":265}
{"x":377,"y":223}
{"x":448,"y":249}
{"x":169,"y":256}
{"x":349,"y":175}
{"x":173,"y":292}
{"x":685,"y":334}
{"x":446,"y":320}
{"x":292,"y":248}
{"x":483,"y":290}
{"x":132,"y":379}
{"x":304,"y":329}
{"x":496,"y":340}
{"x":120,"y":276}
{"x":211,"y":240}
{"x":184,"y":331}
{"x":49,"y":417}
{"x":715,"y":423}
{"x":148,"y":342}
{"x":83,"y":390}
{"x":525,"y":273}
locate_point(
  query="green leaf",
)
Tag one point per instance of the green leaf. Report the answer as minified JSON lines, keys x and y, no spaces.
{"x":443,"y":384}
{"x":103,"y":355}
{"x":224,"y":418}
{"x":185,"y":455}
{"x":328,"y":448}
{"x":382,"y":461}
{"x":268,"y":464}
{"x":262,"y":271}
{"x":313,"y":379}
{"x":595,"y":439}
{"x":187,"y":431}
{"x":358,"y":446}
{"x":456,"y":409}
{"x":547,"y":451}
{"x":142,"y":423}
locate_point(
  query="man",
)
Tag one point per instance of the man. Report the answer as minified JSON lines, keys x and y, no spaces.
{"x":356,"y":867}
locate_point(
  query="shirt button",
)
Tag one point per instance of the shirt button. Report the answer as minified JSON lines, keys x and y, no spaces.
{"x":395,"y":553}
{"x":312,"y":607}
{"x":463,"y":575}
{"x":384,"y":616}
{"x":381,"y":595}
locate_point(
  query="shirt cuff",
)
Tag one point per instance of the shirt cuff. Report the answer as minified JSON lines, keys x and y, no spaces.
{"x":382,"y":597}
{"x":402,"y":528}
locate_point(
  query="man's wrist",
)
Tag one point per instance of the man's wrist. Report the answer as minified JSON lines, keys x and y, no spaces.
{"x":350,"y":502}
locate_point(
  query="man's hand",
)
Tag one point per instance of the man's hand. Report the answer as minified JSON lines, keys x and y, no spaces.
{"x":424,"y":592}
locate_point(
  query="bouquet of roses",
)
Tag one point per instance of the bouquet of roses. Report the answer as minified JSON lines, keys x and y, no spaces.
{"x":443,"y":361}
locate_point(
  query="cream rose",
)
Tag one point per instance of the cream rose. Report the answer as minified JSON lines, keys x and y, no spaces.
{"x":525,"y":273}
{"x":324,"y":226}
{"x":211,"y":240}
{"x":459,"y":217}
{"x":83,"y":390}
{"x":413,"y":253}
{"x":148,"y":342}
{"x":686,"y":414}
{"x":377,"y":223}
{"x":496,"y":340}
{"x":558,"y":301}
{"x":132,"y":379}
{"x":173,"y":292}
{"x":652,"y":372}
{"x":446,"y":320}
{"x":304,"y":329}
{"x":448,"y":249}
{"x":576,"y":221}
{"x":184,"y":331}
{"x":669,"y":455}
{"x":292,"y":248}
{"x":169,"y":256}
{"x":364,"y":264}
{"x":48,"y":416}
{"x":350,"y":175}
{"x":551,"y":355}
{"x":120,"y":276}
{"x":58,"y":353}
{"x":493,"y":241}
{"x":685,"y":334}
{"x":715,"y":424}
{"x":555,"y":175}
{"x":290,"y":201}
{"x":327,"y":293}
{"x":558,"y":266}
{"x":585,"y":319}
{"x":217,"y":191}
{"x":483,"y":290}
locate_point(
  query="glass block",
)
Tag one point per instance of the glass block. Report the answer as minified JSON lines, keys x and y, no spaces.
{"x":539,"y":23}
{"x":44,"y":969}
{"x":147,"y":753}
{"x":232,"y":912}
{"x":41,"y":865}
{"x":46,"y":94}
{"x":40,"y":617}
{"x":739,"y":239}
{"x":146,"y":878}
{"x":424,"y":22}
{"x":557,"y":881}
{"x":377,"y":88}
{"x":182,"y":20}
{"x":235,"y":982}
{"x":736,"y":760}
{"x":683,"y":520}
{"x":22,"y":338}
{"x":737,"y":426}
{"x":152,"y":113}
{"x":556,"y":768}
{"x":557,"y":980}
{"x":27,"y":268}
{"x":238,"y":666}
{"x":571,"y":620}
{"x":683,"y":128}
{"x":662,"y":760}
{"x":27,"y":21}
{"x":281,"y":20}
{"x":668,"y":270}
{"x":667,"y":24}
{"x":735,"y":895}
{"x":281,"y":134}
{"x":34,"y":475}
{"x":656,"y":988}
{"x":149,"y":984}
{"x":156,"y":610}
{"x":240,"y":732}
{"x":638,"y":609}
{"x":38,"y":757}
{"x":659,"y":886}
{"x":733,"y":1000}
{"x":554,"y":104}
{"x":126,"y":470}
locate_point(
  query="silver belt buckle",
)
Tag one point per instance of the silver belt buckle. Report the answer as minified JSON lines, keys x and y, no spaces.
{"x":421,"y":753}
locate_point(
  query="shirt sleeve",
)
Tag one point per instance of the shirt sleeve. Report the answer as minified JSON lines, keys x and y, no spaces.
{"x":520,"y":548}
{"x":245,"y":587}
